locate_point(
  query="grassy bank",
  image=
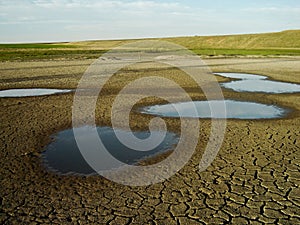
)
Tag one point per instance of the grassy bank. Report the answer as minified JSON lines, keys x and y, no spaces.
{"x":42,"y":53}
{"x":286,"y":43}
{"x":35,"y":46}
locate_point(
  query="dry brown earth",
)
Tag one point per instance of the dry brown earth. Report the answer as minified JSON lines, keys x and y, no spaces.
{"x":254,"y":179}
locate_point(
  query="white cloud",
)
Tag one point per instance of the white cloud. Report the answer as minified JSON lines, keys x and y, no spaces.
{"x":274,"y":9}
{"x":38,"y":11}
{"x":104,"y":4}
{"x":47,"y":20}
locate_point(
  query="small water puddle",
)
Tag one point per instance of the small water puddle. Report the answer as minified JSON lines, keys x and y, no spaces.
{"x":63,"y":155}
{"x":31,"y":92}
{"x":234,"y":110}
{"x":257,"y":83}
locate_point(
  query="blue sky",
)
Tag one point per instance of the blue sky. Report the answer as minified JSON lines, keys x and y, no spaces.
{"x":72,"y":20}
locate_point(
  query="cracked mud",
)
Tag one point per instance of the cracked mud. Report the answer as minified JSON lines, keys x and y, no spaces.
{"x":254,"y":179}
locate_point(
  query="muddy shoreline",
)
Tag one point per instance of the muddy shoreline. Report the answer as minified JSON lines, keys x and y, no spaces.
{"x":254,"y":179}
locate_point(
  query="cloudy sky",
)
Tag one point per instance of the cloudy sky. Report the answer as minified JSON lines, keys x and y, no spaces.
{"x":71,"y":20}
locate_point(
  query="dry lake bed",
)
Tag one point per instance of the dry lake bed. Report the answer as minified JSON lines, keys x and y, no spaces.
{"x":254,"y":179}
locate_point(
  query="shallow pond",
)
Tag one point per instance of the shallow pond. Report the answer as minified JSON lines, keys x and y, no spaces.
{"x":63,"y":155}
{"x":234,"y":109}
{"x":257,"y":83}
{"x":31,"y":92}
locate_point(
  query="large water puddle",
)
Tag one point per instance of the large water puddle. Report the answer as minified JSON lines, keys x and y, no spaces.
{"x":234,"y":110}
{"x":63,"y":155}
{"x":257,"y":83}
{"x":31,"y":92}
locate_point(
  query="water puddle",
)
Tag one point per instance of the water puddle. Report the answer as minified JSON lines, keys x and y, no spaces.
{"x":242,"y":76}
{"x":257,"y":83}
{"x":262,"y":86}
{"x":63,"y":155}
{"x":31,"y":92}
{"x":234,"y":110}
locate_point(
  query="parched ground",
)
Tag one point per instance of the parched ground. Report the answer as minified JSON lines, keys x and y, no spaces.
{"x":254,"y":179}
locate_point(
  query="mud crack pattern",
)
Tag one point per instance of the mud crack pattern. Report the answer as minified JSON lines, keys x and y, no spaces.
{"x":254,"y":179}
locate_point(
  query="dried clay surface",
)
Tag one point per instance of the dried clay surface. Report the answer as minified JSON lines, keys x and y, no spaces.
{"x":253,"y":180}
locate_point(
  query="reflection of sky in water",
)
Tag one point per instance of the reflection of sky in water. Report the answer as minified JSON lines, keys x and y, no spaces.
{"x":30,"y":92}
{"x":256,"y":83}
{"x":242,"y":76}
{"x":266,"y":86}
{"x":63,"y":155}
{"x":234,"y":109}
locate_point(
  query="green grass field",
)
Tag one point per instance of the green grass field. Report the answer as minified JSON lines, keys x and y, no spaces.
{"x":285,"y":43}
{"x":245,"y":52}
{"x":285,"y":39}
{"x":34,"y":54}
{"x":35,"y":46}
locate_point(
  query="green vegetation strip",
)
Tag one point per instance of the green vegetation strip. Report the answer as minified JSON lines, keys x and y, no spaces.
{"x":244,"y":52}
{"x":34,"y":46}
{"x":20,"y":53}
{"x":35,"y":54}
